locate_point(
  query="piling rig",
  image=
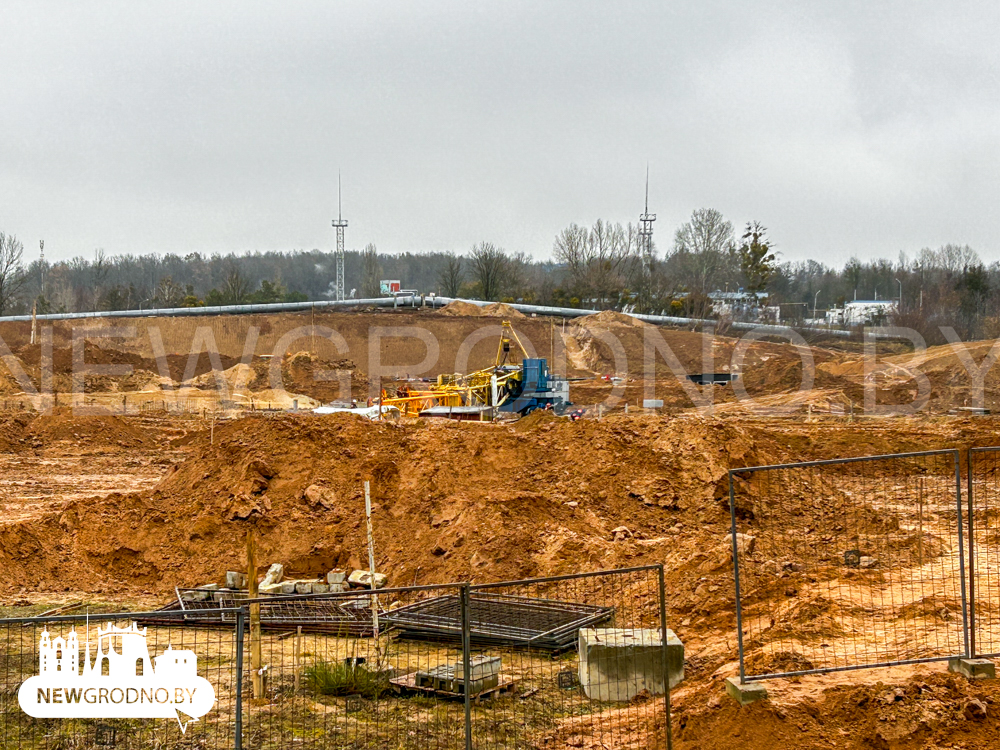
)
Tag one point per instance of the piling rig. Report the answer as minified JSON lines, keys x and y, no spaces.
{"x":515,"y":383}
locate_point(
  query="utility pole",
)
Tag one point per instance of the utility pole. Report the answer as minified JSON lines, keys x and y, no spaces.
{"x":815,"y":299}
{"x":340,"y":223}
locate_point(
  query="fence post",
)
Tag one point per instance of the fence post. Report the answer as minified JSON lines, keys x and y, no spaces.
{"x":736,"y":577}
{"x":961,"y":551}
{"x":663,"y":654}
{"x":238,"y":731}
{"x":972,"y":559}
{"x":466,"y":662}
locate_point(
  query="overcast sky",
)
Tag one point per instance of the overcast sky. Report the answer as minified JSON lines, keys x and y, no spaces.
{"x":845,"y":127}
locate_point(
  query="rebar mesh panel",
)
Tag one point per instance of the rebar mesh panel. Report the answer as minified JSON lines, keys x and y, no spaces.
{"x":498,"y":619}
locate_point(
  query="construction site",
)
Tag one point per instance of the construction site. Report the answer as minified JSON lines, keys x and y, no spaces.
{"x":410,"y":520}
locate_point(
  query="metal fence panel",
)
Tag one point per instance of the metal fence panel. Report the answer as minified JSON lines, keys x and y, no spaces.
{"x":568,"y":693}
{"x":353,"y":688}
{"x":983,"y":496}
{"x":848,"y":564}
{"x":454,"y":666}
{"x":22,"y":644}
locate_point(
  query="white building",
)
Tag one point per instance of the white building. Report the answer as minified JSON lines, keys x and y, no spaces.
{"x":864,"y":312}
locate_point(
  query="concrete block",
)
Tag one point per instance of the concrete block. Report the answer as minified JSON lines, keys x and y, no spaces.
{"x":235,"y":580}
{"x":321,"y":588}
{"x":480,"y":667}
{"x":274,"y":574}
{"x":210,"y":587}
{"x":336,"y":576}
{"x":337,"y":588}
{"x":270,"y":588}
{"x":974,"y":669}
{"x":363,"y":579}
{"x":303,"y":587}
{"x":195,"y":596}
{"x":745,"y":693}
{"x":287,"y":587}
{"x":617,"y":664}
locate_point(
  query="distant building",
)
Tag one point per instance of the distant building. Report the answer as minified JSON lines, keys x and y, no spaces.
{"x":863,"y":312}
{"x":738,"y":304}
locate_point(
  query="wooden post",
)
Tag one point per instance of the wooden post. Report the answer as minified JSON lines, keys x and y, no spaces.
{"x":255,"y":652}
{"x":371,"y":558}
{"x":212,"y":431}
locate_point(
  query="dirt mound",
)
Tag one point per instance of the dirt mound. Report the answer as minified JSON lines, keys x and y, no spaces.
{"x":498,"y":516}
{"x":458,"y":307}
{"x":492,"y":310}
{"x":610,"y":318}
{"x":500,"y":310}
{"x":88,"y":430}
{"x":898,"y":710}
{"x":106,"y":432}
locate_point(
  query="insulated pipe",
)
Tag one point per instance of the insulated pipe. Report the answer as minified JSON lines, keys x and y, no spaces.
{"x":412,"y":301}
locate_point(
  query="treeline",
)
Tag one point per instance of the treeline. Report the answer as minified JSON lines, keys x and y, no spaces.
{"x":605,"y":265}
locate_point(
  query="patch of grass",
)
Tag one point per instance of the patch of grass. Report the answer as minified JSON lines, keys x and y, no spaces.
{"x":340,"y":678}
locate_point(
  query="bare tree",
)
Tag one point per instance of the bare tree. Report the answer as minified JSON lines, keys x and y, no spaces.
{"x":704,"y":250}
{"x":572,"y":249}
{"x":601,"y":261}
{"x":12,"y":276}
{"x":490,"y":268}
{"x":371,"y":272}
{"x":168,"y":293}
{"x":236,"y":287}
{"x":452,"y":275}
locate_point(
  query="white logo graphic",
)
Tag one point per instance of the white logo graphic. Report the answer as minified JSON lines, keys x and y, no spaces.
{"x":121,"y":683}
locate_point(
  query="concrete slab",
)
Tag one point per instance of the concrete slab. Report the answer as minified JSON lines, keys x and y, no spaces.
{"x":363,"y":579}
{"x":336,"y":576}
{"x":745,"y":693}
{"x":974,"y":669}
{"x":479,"y":667}
{"x":235,"y":580}
{"x":274,"y":575}
{"x":617,"y":664}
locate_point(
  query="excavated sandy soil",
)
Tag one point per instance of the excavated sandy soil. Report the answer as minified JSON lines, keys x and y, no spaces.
{"x":131,"y":506}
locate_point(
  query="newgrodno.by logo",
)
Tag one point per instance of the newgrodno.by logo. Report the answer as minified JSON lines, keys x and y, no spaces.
{"x":120,"y":683}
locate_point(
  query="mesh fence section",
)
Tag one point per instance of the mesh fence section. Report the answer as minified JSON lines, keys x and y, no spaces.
{"x":107,"y":680}
{"x":350,"y":685}
{"x":983,"y":499}
{"x":583,"y":657}
{"x":849,"y":564}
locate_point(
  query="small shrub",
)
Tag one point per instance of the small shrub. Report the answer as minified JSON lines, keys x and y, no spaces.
{"x":338,"y":678}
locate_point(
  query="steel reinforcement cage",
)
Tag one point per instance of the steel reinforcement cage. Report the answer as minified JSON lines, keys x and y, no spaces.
{"x":848,"y":563}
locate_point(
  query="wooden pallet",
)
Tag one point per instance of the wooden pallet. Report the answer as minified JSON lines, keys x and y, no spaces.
{"x":409,"y":682}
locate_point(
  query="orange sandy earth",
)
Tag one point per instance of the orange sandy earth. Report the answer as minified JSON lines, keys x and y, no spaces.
{"x":126,"y":508}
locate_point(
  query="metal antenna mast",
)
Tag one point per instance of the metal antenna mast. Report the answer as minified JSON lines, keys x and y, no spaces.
{"x":646,"y":220}
{"x":340,"y":224}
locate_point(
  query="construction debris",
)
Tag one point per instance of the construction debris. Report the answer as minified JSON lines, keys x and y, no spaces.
{"x":363,"y":579}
